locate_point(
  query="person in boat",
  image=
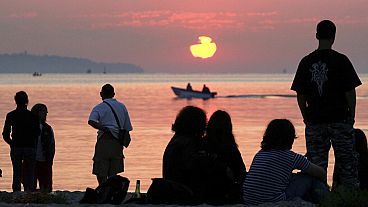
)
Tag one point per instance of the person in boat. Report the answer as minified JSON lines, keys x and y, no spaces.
{"x":189,"y":87}
{"x":205,"y":89}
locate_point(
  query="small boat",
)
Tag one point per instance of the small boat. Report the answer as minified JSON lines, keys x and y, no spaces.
{"x":184,"y":93}
{"x":37,"y":74}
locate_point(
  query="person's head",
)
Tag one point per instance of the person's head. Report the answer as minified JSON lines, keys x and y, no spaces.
{"x":190,"y":121}
{"x":360,"y":141}
{"x":107,"y":91}
{"x":220,"y":128}
{"x":21,"y":99}
{"x":40,"y":110}
{"x":279,"y":135}
{"x":326,"y":30}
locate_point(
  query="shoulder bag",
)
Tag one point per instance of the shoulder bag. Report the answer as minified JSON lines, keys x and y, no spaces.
{"x":123,"y":136}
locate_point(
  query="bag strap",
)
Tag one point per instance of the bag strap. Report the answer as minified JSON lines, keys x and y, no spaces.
{"x":113,"y":111}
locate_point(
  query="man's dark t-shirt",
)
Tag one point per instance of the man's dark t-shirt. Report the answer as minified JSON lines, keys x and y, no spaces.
{"x":323,"y":77}
{"x":24,"y":127}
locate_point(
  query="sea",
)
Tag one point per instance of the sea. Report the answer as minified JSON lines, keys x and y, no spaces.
{"x":252,"y":100}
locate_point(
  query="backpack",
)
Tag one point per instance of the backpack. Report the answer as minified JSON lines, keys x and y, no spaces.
{"x":164,"y":191}
{"x":113,"y":191}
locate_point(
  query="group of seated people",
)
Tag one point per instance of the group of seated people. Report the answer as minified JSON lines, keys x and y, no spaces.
{"x":204,"y":159}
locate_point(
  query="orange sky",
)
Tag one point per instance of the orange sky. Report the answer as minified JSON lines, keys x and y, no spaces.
{"x":251,"y":36}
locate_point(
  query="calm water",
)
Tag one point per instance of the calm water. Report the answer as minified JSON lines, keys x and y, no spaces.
{"x":152,"y":107}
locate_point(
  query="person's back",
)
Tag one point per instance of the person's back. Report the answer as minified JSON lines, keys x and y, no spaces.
{"x":323,"y":77}
{"x":226,"y":161}
{"x":270,"y":177}
{"x":21,"y":130}
{"x":205,"y":89}
{"x":325,"y":84}
{"x":179,"y":156}
{"x":109,"y":118}
{"x":178,"y":159}
{"x":24,"y":128}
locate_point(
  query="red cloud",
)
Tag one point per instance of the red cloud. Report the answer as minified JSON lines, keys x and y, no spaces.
{"x":191,"y":20}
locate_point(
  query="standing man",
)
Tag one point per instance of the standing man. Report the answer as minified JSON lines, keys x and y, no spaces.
{"x":24,"y":128}
{"x":325,"y":83}
{"x":108,"y":157}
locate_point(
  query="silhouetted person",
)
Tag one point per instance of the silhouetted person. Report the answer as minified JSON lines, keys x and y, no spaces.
{"x":205,"y":89}
{"x":325,"y":84}
{"x":24,"y":128}
{"x":361,"y":148}
{"x":45,"y":150}
{"x":178,"y":159}
{"x":108,"y":157}
{"x":270,"y":177}
{"x":189,"y":87}
{"x":220,"y":143}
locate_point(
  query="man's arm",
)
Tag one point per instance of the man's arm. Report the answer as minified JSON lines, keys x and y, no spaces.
{"x":351,"y":100}
{"x":302,"y":103}
{"x":6,"y":131}
{"x":98,"y":126}
{"x":317,"y":171}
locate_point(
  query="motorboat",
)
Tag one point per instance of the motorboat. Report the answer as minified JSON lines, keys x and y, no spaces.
{"x":184,"y":93}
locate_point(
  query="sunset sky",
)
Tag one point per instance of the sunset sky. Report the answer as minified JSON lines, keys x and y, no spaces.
{"x":251,"y":36}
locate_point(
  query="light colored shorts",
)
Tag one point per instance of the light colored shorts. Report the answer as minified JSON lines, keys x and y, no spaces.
{"x":108,"y":159}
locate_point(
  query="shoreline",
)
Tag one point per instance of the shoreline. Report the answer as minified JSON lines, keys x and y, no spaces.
{"x":72,"y":198}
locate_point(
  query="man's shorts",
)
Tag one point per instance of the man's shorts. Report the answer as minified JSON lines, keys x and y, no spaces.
{"x":108,"y":158}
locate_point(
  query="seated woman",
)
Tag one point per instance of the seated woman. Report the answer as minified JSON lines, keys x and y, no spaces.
{"x":225,"y":186}
{"x":270,"y":177}
{"x":178,"y":159}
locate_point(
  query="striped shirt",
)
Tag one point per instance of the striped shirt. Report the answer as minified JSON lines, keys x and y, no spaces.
{"x":269,"y":175}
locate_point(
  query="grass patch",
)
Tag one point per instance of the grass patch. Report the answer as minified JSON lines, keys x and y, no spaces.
{"x":34,"y":197}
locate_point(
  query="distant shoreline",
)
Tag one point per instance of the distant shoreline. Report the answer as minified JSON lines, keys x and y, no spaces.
{"x":30,"y":63}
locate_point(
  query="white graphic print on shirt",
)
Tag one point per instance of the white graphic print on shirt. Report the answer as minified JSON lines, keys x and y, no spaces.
{"x":319,"y":75}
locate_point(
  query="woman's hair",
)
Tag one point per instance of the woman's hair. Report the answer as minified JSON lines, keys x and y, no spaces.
{"x":279,"y":135}
{"x":190,"y":121}
{"x":360,"y":142}
{"x":37,"y":108}
{"x":220,"y":130}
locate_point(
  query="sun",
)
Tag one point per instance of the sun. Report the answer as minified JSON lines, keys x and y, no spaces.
{"x":205,"y":48}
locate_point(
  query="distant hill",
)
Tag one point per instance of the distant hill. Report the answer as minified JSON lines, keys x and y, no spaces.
{"x":28,"y":63}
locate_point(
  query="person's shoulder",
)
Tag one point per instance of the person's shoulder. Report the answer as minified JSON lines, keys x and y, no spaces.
{"x":294,"y":154}
{"x":46,"y":125}
{"x":99,"y":106}
{"x":342,"y":56}
{"x":121,"y":104}
{"x":308,"y":57}
{"x":11,"y":113}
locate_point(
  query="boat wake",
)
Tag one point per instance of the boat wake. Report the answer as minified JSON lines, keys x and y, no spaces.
{"x":259,"y":96}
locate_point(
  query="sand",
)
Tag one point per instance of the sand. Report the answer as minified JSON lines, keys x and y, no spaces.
{"x":73,"y":198}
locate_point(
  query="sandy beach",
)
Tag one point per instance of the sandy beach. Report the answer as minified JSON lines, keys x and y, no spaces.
{"x":73,"y":198}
